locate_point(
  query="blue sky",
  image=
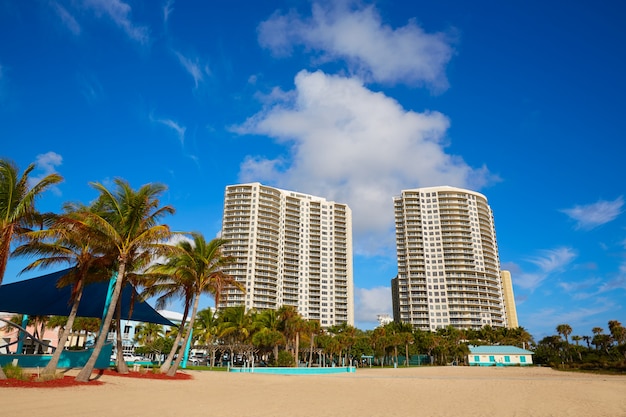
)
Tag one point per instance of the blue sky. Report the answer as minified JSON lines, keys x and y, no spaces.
{"x":352,"y":101}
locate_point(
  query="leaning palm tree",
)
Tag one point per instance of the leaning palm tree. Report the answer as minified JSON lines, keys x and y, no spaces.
{"x":167,"y":288}
{"x":17,"y":207}
{"x":17,"y":204}
{"x":127,"y":222}
{"x":62,"y":243}
{"x":197,"y":266}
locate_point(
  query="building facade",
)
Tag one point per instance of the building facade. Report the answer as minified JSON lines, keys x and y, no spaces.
{"x":499,"y":356}
{"x":291,"y":249}
{"x":509,"y":299}
{"x":448,"y":263}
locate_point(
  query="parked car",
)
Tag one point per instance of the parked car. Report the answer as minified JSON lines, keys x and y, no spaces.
{"x":129,"y":357}
{"x":197,"y":360}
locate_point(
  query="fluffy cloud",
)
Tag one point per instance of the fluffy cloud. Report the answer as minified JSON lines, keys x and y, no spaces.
{"x":551,"y":261}
{"x":355,"y":146}
{"x":355,"y":34}
{"x":593,"y":215}
{"x":370,"y":303}
{"x":46,"y":164}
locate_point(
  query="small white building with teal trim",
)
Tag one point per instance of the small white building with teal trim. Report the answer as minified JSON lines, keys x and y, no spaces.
{"x":499,"y":356}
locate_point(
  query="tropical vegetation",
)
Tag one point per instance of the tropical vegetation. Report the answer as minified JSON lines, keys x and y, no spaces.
{"x":120,"y":238}
{"x":600,"y":351}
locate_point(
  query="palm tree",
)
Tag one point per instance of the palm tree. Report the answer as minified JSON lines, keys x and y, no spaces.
{"x":205,"y":331}
{"x":236,"y":326}
{"x":268,"y":324}
{"x":62,"y":243}
{"x":576,"y":338}
{"x":148,"y":333}
{"x":565,"y":330}
{"x":170,"y":287}
{"x":292,"y":325}
{"x":618,"y":332}
{"x":197,"y":266}
{"x":313,"y":329}
{"x":127,"y":222}
{"x":17,"y":205}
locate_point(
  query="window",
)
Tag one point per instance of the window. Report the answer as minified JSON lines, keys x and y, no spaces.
{"x":476,"y":358}
{"x":492,"y":358}
{"x":507,"y":359}
{"x":522,"y":359}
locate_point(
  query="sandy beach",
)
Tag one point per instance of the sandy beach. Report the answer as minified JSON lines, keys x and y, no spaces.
{"x":437,"y":391}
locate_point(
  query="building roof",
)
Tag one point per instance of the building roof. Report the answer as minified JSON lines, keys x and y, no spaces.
{"x":494,"y":350}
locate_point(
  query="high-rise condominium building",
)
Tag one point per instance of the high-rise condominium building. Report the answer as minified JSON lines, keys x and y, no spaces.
{"x":291,"y":249}
{"x":509,"y":299}
{"x":448,"y":264}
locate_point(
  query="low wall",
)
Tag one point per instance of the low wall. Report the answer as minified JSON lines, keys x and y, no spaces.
{"x":296,"y":371}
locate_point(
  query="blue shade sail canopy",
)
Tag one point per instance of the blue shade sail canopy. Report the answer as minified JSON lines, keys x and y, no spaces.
{"x":41,"y":297}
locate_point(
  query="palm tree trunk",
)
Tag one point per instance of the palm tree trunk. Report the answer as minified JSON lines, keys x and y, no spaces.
{"x":297,"y":348}
{"x":170,"y":357}
{"x":406,"y":350}
{"x":85,"y":373}
{"x":51,"y":367}
{"x":311,"y":349}
{"x":181,"y":354}
{"x":122,"y":367}
{"x":5,"y":250}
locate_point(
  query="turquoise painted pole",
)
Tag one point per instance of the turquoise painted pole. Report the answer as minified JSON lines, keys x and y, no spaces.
{"x":187,"y":347}
{"x":107,"y":301}
{"x":20,"y":343}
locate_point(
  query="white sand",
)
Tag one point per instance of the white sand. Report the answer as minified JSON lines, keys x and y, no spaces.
{"x":428,"y":391}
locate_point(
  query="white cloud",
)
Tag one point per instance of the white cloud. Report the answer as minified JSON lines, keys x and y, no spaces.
{"x":47,"y":163}
{"x":66,"y":17}
{"x":119,"y":12}
{"x":90,"y":88}
{"x":356,"y":34}
{"x":551,"y":261}
{"x":351,"y":145}
{"x":618,"y":282}
{"x":168,"y":8}
{"x":581,"y":319}
{"x":593,"y":215}
{"x":180,"y":130}
{"x":193,"y":67}
{"x":369,"y":303}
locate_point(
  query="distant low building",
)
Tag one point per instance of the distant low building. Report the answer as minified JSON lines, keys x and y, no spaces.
{"x":499,"y":356}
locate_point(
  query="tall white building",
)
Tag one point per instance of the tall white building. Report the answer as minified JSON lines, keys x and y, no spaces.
{"x":291,"y":249}
{"x":448,"y":263}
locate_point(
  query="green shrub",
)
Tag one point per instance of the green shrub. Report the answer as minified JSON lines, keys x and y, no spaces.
{"x":14,"y":372}
{"x":285,"y":359}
